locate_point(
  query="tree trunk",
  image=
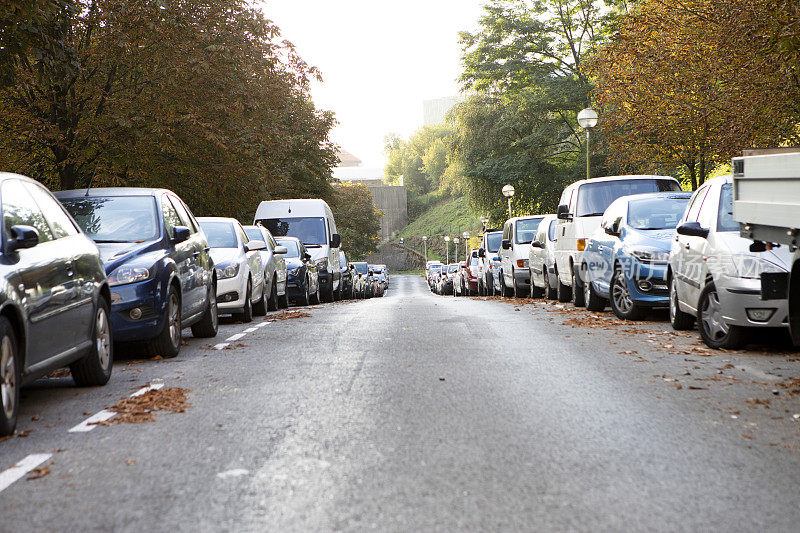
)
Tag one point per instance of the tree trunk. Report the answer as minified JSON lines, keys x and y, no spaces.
{"x":702,"y":174}
{"x":690,"y":166}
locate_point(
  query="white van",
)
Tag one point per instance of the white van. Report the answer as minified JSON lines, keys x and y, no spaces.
{"x":310,"y":221}
{"x":579,"y":213}
{"x":515,"y":276}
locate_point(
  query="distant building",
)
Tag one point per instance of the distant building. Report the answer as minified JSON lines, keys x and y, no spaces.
{"x":346,"y":159}
{"x":435,"y":111}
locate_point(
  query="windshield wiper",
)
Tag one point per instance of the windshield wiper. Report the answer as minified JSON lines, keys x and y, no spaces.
{"x":645,"y":229}
{"x":593,"y":214}
{"x":312,"y":245}
{"x":107,"y":241}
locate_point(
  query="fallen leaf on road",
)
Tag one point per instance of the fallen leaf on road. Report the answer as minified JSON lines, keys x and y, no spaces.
{"x":39,"y":472}
{"x":748,"y":437}
{"x":692,"y":387}
{"x":140,"y":409}
{"x":441,"y":379}
{"x":288,"y":315}
{"x":24,"y":433}
{"x":130,"y":462}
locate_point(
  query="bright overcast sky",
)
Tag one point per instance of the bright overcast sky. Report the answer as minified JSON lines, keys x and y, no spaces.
{"x":379,"y":61}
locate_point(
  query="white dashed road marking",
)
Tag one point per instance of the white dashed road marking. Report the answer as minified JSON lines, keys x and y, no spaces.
{"x":221,"y":346}
{"x":236,"y":337}
{"x":91,"y":422}
{"x":16,"y":472}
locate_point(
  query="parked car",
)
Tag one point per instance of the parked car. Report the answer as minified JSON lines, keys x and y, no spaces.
{"x":715,"y":278}
{"x":433,"y":274}
{"x":303,"y":275}
{"x":378,"y":289}
{"x":626,"y":258}
{"x":428,"y":271}
{"x":515,"y":275}
{"x":460,"y":280}
{"x":274,"y":267}
{"x":542,"y":260}
{"x":363,"y":283}
{"x":471,"y":275}
{"x":54,"y":300}
{"x":160,"y":270}
{"x":347,"y":276}
{"x":385,"y":271}
{"x":311,"y":221}
{"x":581,"y":206}
{"x":488,"y":267}
{"x":241,"y":289}
{"x":380,"y":276}
{"x":445,"y":285}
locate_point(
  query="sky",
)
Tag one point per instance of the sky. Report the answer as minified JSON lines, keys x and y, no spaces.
{"x":379,"y":61}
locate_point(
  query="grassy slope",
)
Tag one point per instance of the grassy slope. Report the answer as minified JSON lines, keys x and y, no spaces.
{"x":451,"y":216}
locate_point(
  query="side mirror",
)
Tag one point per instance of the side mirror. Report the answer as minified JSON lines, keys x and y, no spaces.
{"x":563,"y":212}
{"x":306,"y":257}
{"x":180,"y":234}
{"x":254,"y":246}
{"x":22,"y":237}
{"x":506,"y":244}
{"x":281,"y":250}
{"x":692,"y":229}
{"x":613,"y":229}
{"x":336,"y":240}
{"x":537,"y":244}
{"x":481,"y":252}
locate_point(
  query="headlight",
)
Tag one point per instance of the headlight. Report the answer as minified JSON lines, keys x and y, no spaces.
{"x":127,"y":274}
{"x":293,"y":271}
{"x":651,"y":256}
{"x":227,"y":271}
{"x":751,"y":267}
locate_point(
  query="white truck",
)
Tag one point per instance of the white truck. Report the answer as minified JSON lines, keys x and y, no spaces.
{"x":766,"y":204}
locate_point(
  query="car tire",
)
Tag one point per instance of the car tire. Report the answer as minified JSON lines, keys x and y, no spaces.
{"x":168,"y":342}
{"x":338,"y":293}
{"x":536,"y":292}
{"x":316,"y":298}
{"x":283,"y":301}
{"x":260,"y":307}
{"x":209,"y":324}
{"x":713,"y":330}
{"x":577,"y":290}
{"x":272,"y":301}
{"x":246,"y":314}
{"x":95,"y":368}
{"x":551,"y":293}
{"x":10,"y":378}
{"x":305,"y":298}
{"x":594,"y":302}
{"x":620,"y":298}
{"x":564,"y":292}
{"x":680,"y":321}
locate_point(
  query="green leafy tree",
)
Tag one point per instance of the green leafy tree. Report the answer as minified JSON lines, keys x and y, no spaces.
{"x":357,"y":219}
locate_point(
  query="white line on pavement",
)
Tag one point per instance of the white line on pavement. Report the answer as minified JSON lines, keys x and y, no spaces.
{"x":221,"y":346}
{"x":250,"y":330}
{"x":17,"y":471}
{"x":235,"y":337}
{"x":264,"y":324}
{"x":91,"y":422}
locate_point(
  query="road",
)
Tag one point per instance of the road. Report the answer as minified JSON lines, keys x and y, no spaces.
{"x":424,"y":412}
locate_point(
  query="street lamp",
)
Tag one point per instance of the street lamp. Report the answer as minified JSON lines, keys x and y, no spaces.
{"x":447,"y":247}
{"x":587,"y":119}
{"x":485,"y":222}
{"x":455,"y":247}
{"x":425,"y":242}
{"x":466,"y":245}
{"x":508,"y":192}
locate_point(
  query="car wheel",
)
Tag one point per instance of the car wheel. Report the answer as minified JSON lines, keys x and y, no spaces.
{"x":305,"y":297}
{"x":168,"y":342}
{"x":209,"y":324}
{"x":506,"y":291}
{"x":272,"y":302}
{"x":551,"y":293}
{"x":260,"y":307}
{"x":577,"y":290}
{"x":338,"y":294}
{"x":713,"y":329}
{"x":9,"y":378}
{"x":283,"y":301}
{"x":315,"y":297}
{"x":95,"y":368}
{"x":536,"y":292}
{"x":246,"y":314}
{"x":621,"y":302}
{"x":563,"y":292}
{"x":594,"y":302}
{"x":680,"y":321}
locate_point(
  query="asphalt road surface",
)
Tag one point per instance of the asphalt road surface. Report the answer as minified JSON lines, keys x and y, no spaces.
{"x":422,"y":412}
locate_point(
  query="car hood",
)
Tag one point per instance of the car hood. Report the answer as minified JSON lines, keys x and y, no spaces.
{"x":659,"y":239}
{"x":293,"y":262}
{"x":222,"y":256}
{"x":731,"y":242}
{"x":114,"y":254}
{"x":317,"y":253}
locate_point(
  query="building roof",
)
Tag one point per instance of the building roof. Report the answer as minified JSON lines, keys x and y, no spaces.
{"x":357,"y":173}
{"x":346,"y":159}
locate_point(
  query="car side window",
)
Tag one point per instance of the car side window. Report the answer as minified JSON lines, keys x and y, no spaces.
{"x":695,"y":204}
{"x":60,"y":222}
{"x":183,"y":213}
{"x":20,"y":209}
{"x":551,"y":234}
{"x":242,"y":235}
{"x":573,"y":200}
{"x":708,"y":211}
{"x":507,"y":232}
{"x":171,"y":217}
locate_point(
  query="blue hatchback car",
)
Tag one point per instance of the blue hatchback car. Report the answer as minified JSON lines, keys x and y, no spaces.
{"x":157,"y":261}
{"x":625,"y":261}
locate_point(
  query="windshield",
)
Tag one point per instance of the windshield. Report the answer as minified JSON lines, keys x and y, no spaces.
{"x":310,"y":230}
{"x":115,"y":218}
{"x":436,"y":268}
{"x":361,"y":267}
{"x":594,"y":198}
{"x":473,"y":261}
{"x":725,"y":220}
{"x":656,"y":213}
{"x":219,"y":234}
{"x":452,"y":268}
{"x":493,"y":241}
{"x":293,"y":249}
{"x":254,"y":234}
{"x":526,"y":229}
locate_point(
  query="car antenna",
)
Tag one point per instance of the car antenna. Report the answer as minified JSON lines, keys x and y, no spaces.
{"x":91,"y":180}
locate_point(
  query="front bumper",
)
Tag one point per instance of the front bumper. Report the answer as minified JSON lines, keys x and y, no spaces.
{"x":652,"y":275}
{"x":522,"y":277}
{"x":231,"y":292}
{"x":149,"y":298}
{"x":737,"y":295}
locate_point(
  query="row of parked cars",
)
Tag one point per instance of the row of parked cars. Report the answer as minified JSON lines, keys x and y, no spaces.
{"x":85,"y":269}
{"x":633,"y":243}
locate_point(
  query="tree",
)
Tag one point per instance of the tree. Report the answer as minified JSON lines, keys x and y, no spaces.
{"x":357,"y":219}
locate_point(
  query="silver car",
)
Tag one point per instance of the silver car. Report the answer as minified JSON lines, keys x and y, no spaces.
{"x":715,"y":278}
{"x":542,"y":260}
{"x":274,"y":267}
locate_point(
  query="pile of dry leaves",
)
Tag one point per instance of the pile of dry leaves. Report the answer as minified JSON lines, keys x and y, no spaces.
{"x":288,"y":315}
{"x":140,"y":409}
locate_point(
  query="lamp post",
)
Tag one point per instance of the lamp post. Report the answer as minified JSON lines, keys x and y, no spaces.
{"x":466,"y":245}
{"x":425,"y":243}
{"x":587,"y":119}
{"x":508,"y":192}
{"x":447,"y":247}
{"x":455,"y":247}
{"x":485,"y":222}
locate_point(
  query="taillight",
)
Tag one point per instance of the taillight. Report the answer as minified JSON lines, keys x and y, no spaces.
{"x":520,"y":263}
{"x":581,"y":245}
